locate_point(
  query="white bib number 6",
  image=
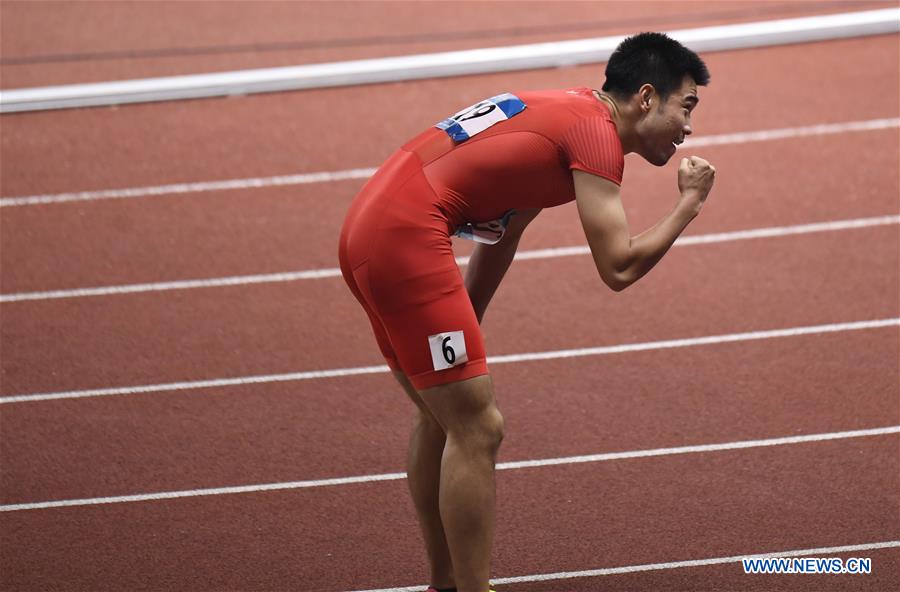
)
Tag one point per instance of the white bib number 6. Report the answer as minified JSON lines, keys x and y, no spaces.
{"x":448,"y":352}
{"x":448,"y":349}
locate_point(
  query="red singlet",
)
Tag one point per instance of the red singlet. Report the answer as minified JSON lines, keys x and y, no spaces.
{"x":395,"y":249}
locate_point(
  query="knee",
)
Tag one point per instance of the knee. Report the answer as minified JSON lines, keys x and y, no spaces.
{"x":498,"y":428}
{"x":488,"y":431}
{"x":426,"y":422}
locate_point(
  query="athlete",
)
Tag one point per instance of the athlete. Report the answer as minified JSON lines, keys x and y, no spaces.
{"x":484,"y":174}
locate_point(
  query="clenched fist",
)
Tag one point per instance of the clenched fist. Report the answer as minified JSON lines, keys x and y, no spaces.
{"x":695,"y":178}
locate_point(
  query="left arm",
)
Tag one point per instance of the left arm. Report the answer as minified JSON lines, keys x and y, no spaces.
{"x":488,"y":263}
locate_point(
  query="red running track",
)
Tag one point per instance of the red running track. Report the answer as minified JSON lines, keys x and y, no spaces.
{"x":552,"y":519}
{"x":116,"y":41}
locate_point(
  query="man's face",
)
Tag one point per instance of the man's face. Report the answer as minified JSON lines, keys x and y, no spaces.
{"x":666,"y":122}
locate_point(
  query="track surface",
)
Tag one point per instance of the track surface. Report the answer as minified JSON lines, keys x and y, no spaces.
{"x":561,"y":518}
{"x":116,"y":41}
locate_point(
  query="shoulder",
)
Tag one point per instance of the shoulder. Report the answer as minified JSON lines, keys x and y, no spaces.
{"x":591,"y":143}
{"x":574,"y":100}
{"x":564,"y":109}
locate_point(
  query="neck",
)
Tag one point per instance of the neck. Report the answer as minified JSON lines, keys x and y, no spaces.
{"x":625,"y":118}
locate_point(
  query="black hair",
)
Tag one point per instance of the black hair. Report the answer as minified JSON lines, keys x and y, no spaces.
{"x":653,"y":58}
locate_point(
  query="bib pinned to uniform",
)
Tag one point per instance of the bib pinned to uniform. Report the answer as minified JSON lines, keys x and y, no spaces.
{"x":480,"y":116}
{"x":488,"y":233}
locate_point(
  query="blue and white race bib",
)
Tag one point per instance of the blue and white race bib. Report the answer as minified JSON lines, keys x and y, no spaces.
{"x":480,"y":116}
{"x":489,"y":232}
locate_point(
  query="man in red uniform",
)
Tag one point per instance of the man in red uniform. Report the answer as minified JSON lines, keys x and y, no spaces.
{"x":484,"y":174}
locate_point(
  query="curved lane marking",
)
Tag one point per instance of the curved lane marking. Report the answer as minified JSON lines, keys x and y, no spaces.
{"x":364,"y":173}
{"x":548,"y":462}
{"x":608,"y":571}
{"x":502,"y":359}
{"x":453,"y":63}
{"x":553,"y":252}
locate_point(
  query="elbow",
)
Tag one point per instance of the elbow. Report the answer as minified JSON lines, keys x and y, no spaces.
{"x":616,"y":281}
{"x":617,"y":273}
{"x":617,"y":286}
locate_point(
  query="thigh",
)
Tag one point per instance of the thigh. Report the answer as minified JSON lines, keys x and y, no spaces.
{"x":354,"y":278}
{"x":466,"y":408}
{"x":412,"y":286}
{"x":431,"y":324}
{"x":460,"y":400}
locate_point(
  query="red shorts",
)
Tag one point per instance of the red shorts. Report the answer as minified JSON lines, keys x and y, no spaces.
{"x":397,"y":257}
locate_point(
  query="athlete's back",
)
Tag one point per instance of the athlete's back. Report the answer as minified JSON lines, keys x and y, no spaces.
{"x":520,"y":154}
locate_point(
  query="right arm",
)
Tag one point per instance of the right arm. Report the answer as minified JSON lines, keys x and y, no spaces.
{"x":620,"y":258}
{"x":489,"y":263}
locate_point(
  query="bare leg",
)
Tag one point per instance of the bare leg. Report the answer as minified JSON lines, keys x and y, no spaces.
{"x":467,"y":412}
{"x":426,"y":448}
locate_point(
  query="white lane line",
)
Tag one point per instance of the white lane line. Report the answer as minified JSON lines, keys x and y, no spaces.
{"x":791,"y":132}
{"x":549,"y":462}
{"x":197,"y":384}
{"x":503,"y":359}
{"x":199,"y":187}
{"x":722,"y":237}
{"x":609,"y":571}
{"x":454,"y":63}
{"x":291,"y":276}
{"x":363,"y":173}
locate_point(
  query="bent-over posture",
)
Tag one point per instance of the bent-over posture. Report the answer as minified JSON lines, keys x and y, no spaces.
{"x":484,"y":174}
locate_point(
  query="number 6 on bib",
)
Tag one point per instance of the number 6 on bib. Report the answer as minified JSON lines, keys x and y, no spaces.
{"x":448,"y":349}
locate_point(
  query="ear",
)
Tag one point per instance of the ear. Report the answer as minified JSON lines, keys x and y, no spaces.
{"x":647,"y":96}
